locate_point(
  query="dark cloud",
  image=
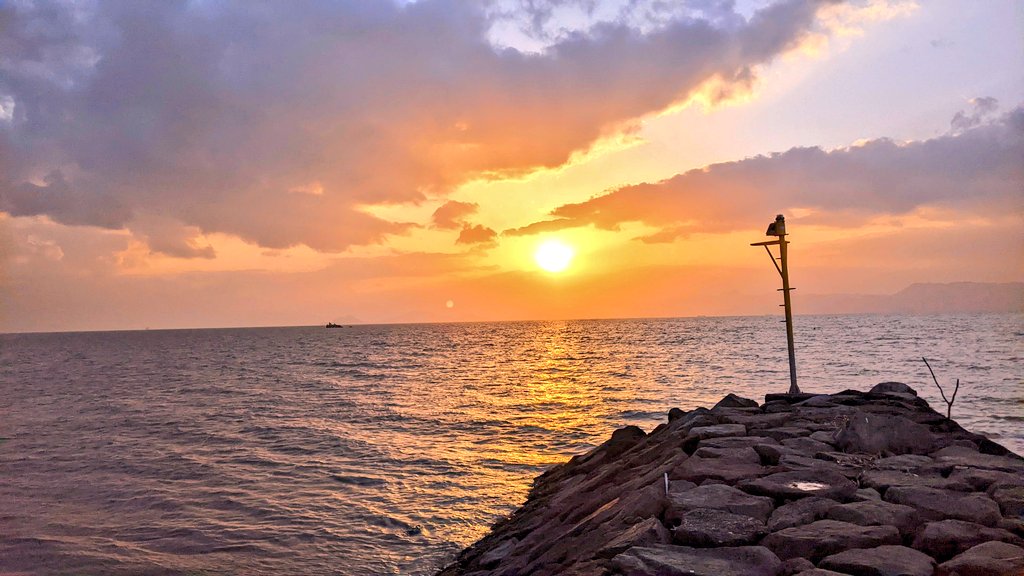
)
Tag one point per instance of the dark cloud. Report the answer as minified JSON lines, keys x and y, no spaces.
{"x":476,"y":235}
{"x":979,"y":168}
{"x":541,"y":227}
{"x":981,"y":110}
{"x":210,"y":113}
{"x":450,"y":214}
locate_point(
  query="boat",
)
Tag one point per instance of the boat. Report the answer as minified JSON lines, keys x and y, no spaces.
{"x":333,"y":325}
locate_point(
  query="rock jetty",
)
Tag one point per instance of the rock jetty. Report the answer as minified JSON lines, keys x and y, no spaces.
{"x":861,"y":483}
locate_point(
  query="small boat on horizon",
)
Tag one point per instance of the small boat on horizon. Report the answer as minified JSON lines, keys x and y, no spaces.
{"x":333,"y":325}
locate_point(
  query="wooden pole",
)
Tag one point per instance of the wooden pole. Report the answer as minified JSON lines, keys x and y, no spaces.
{"x":793,"y":388}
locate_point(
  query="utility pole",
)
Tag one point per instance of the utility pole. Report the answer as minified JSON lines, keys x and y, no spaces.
{"x":778,"y":228}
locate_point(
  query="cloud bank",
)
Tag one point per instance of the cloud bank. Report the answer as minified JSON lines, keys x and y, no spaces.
{"x":178,"y":118}
{"x":976,"y":169}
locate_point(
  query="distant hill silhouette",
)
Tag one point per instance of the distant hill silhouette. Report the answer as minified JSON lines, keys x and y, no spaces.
{"x":922,"y":298}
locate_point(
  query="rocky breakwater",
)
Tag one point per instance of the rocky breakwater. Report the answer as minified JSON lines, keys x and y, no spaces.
{"x":873,"y":483}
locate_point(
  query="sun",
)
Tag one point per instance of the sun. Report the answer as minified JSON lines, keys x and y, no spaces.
{"x":554,"y":255}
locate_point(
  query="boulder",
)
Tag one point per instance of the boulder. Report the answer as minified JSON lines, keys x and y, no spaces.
{"x":988,"y":559}
{"x":498,"y":553}
{"x":795,"y":566}
{"x":884,"y":434}
{"x":819,"y":401}
{"x":820,"y":572}
{"x":706,"y":527}
{"x":935,"y":504}
{"x":697,"y":470}
{"x":947,"y":538}
{"x":800,"y":484}
{"x":647,"y":533}
{"x":770,"y":454}
{"x":866,"y":494}
{"x":742,"y":454}
{"x":718,"y":430}
{"x":983,"y":480}
{"x":1010,"y":500}
{"x":877,"y":513}
{"x":803,"y":511}
{"x":717,"y":497}
{"x":736,"y":442}
{"x":882,"y":480}
{"x":826,"y":537}
{"x":881,"y":561}
{"x":783,"y":432}
{"x":734,"y":401}
{"x":904,"y":462}
{"x":687,"y":561}
{"x":806,"y":445}
{"x":824,"y":437}
{"x":892,"y":388}
{"x":953,"y":456}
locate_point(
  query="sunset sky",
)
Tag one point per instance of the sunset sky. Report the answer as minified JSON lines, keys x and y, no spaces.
{"x":242,"y":163}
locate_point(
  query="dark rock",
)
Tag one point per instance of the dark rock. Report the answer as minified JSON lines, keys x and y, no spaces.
{"x":882,"y":480}
{"x":718,"y":497}
{"x":788,"y":398}
{"x":783,"y":432}
{"x":696,"y":469}
{"x":1012,"y":525}
{"x":877,"y":513}
{"x":820,"y":572}
{"x":904,"y":463}
{"x":800,"y":484}
{"x":806,"y":445}
{"x":881,"y":561}
{"x":819,"y":401}
{"x":795,"y":566}
{"x":718,"y":430}
{"x":623,"y":439}
{"x":675,"y":414}
{"x":770,"y":454}
{"x":498,"y":553}
{"x":826,"y":537}
{"x":988,"y":559}
{"x":947,"y":538}
{"x":824,"y":437}
{"x":686,"y":561}
{"x":962,"y":456}
{"x":1010,"y":500}
{"x":884,"y":434}
{"x":892,"y":387}
{"x":741,"y":454}
{"x":866,"y":495}
{"x":734,"y":401}
{"x":803,"y":511}
{"x":647,"y":533}
{"x":705,"y":527}
{"x":776,"y":407}
{"x":982,"y":480}
{"x":935,"y":504}
{"x":753,"y":420}
{"x":792,"y":463}
{"x":734,"y":442}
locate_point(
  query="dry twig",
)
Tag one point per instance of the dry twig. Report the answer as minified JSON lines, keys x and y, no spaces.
{"x":949,"y":401}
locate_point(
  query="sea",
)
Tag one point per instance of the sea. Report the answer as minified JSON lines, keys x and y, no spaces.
{"x":385,"y":449}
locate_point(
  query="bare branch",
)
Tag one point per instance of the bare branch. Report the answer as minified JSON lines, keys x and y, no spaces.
{"x":948,"y":401}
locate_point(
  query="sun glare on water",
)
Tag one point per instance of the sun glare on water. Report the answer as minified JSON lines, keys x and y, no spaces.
{"x":554,"y":255}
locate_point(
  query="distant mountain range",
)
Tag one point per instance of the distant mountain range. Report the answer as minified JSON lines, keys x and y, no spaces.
{"x":925,"y":298}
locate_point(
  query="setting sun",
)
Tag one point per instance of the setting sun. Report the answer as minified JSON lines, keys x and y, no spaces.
{"x":554,"y":255}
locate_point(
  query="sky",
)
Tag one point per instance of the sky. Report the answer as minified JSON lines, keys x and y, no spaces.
{"x":203,"y":163}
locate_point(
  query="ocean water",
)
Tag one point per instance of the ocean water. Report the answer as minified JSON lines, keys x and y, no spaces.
{"x":386,"y":449}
